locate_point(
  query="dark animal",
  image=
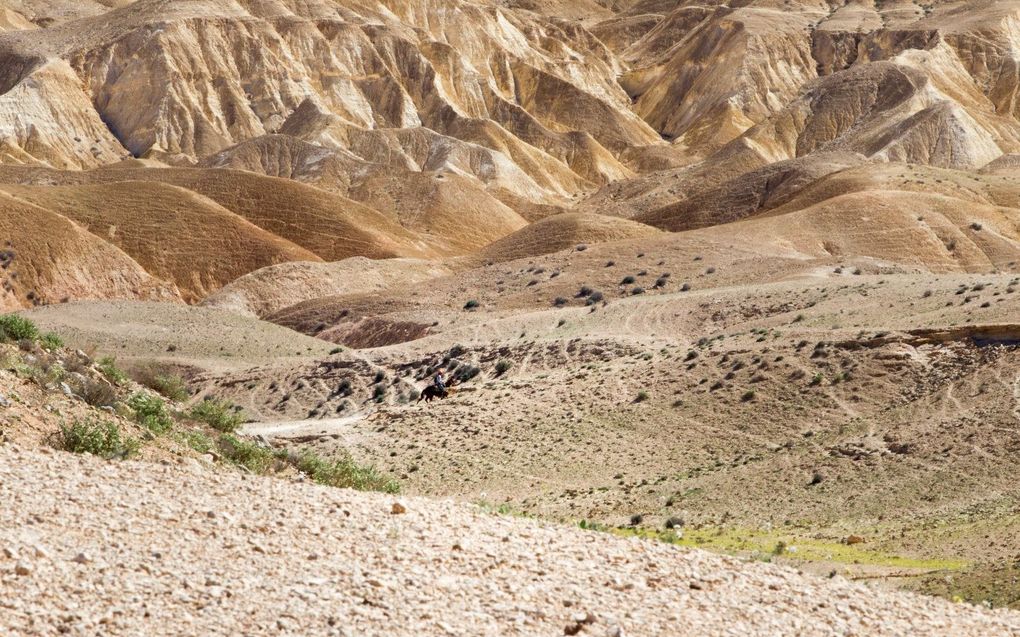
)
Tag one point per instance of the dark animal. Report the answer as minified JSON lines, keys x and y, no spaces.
{"x":432,"y":392}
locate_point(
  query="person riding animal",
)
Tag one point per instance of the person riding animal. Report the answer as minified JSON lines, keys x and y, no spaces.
{"x":438,"y":388}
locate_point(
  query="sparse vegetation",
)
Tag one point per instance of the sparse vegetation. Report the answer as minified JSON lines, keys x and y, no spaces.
{"x":471,"y":305}
{"x":246,"y":454}
{"x":345,"y":473}
{"x":218,"y":414}
{"x":101,"y":438}
{"x":95,"y":392}
{"x":503,"y":366}
{"x":108,"y":367}
{"x":642,"y":396}
{"x":14,"y":328}
{"x":51,"y":342}
{"x":162,"y":379}
{"x":150,"y":412}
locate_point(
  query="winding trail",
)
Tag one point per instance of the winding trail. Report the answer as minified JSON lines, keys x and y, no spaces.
{"x":292,"y":428}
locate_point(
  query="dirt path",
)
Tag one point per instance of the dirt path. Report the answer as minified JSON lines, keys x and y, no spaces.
{"x":295,"y":428}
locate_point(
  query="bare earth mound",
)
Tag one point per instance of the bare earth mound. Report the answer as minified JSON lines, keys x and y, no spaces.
{"x":560,"y":232}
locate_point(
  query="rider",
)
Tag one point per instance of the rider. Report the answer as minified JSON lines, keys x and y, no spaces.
{"x":440,"y":380}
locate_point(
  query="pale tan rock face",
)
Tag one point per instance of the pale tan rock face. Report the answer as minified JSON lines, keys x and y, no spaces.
{"x":434,"y":128}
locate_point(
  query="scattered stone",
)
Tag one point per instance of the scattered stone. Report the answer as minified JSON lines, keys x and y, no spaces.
{"x":22,"y":569}
{"x":855,"y":539}
{"x":82,"y":558}
{"x":398,"y":509}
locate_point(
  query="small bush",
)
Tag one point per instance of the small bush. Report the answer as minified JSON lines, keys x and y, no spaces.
{"x":466,"y":373}
{"x":197,"y":441}
{"x":585,"y":291}
{"x":594,"y":297}
{"x":98,"y":437}
{"x":503,"y":366}
{"x":748,"y":396}
{"x":627,"y":280}
{"x":345,"y":473}
{"x":560,"y":301}
{"x":150,"y":412}
{"x":108,"y":366}
{"x":218,"y":414}
{"x":686,"y":287}
{"x":379,"y":393}
{"x":471,"y":305}
{"x":413,"y":395}
{"x":244,"y":453}
{"x":51,"y":341}
{"x":17,"y":328}
{"x":162,"y":379}
{"x":642,"y":397}
{"x":976,"y":227}
{"x":95,"y":392}
{"x":637,"y":291}
{"x":661,"y":282}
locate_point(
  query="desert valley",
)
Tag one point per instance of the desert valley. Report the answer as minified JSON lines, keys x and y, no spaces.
{"x":727,"y":294}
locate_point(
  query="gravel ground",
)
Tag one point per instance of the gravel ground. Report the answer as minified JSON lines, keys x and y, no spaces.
{"x":97,"y":548}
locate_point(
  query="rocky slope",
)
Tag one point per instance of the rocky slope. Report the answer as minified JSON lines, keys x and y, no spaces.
{"x":229,"y":553}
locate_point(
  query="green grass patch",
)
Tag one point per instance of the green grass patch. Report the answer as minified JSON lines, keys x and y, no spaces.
{"x":108,"y":366}
{"x":17,"y":328}
{"x":101,"y":438}
{"x":345,"y":473}
{"x":735,"y":541}
{"x":247,"y":454}
{"x":218,"y":414}
{"x":195,"y":440}
{"x":51,"y":341}
{"x":150,"y":412}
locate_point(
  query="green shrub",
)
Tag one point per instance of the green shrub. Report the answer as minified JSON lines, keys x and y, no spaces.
{"x":150,"y":412}
{"x":196,"y":440}
{"x":642,"y":397}
{"x":16,"y":328}
{"x":51,"y":341}
{"x":471,"y":305}
{"x":98,"y":437}
{"x":345,"y":473}
{"x":218,"y":414}
{"x":247,"y":454}
{"x":162,"y":379}
{"x":108,"y":366}
{"x":503,"y":366}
